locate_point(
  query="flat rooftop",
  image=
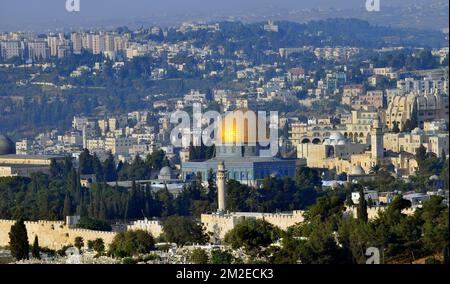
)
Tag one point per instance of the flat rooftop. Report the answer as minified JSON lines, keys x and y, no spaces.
{"x":31,"y":157}
{"x":24,"y":166}
{"x":252,"y":214}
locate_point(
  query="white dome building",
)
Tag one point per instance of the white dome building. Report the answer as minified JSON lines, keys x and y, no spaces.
{"x":336,"y":138}
{"x":165,"y":174}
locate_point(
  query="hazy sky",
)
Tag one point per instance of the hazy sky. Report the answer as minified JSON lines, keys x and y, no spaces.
{"x":41,"y":14}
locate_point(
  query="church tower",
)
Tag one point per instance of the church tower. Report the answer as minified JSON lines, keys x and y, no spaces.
{"x":376,"y":136}
{"x":221,"y":188}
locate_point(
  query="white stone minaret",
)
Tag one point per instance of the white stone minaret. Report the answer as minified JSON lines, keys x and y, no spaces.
{"x":84,"y":137}
{"x":221,"y":195}
{"x":376,"y":136}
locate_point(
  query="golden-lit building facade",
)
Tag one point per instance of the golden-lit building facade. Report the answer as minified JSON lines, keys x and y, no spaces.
{"x":436,"y":143}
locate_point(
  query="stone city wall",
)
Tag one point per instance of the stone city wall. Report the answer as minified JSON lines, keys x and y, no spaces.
{"x":283,"y":221}
{"x":53,"y":234}
{"x":152,"y":226}
{"x":218,"y":225}
{"x":372,"y":212}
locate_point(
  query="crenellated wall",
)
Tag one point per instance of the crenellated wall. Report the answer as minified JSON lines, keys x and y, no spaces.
{"x":372,"y":212}
{"x":218,"y":225}
{"x":53,"y":234}
{"x":154,"y":227}
{"x":283,"y":221}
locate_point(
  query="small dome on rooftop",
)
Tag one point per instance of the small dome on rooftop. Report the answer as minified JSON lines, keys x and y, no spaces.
{"x":165,"y":174}
{"x":417,"y":130}
{"x":165,"y":171}
{"x":358,"y":170}
{"x":336,"y":138}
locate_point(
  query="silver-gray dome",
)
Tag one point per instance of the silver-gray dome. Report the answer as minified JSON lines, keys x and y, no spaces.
{"x":358,"y":170}
{"x":165,"y":173}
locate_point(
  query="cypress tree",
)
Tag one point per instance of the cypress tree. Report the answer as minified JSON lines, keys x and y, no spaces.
{"x":109,"y":168}
{"x":67,"y":166}
{"x":79,"y":243}
{"x":132,"y":204}
{"x":395,"y":128}
{"x":212,"y":187}
{"x":84,"y":212}
{"x":98,"y":168}
{"x":55,"y":169}
{"x":18,"y":240}
{"x":362,"y":206}
{"x":97,"y":199}
{"x":86,"y":163}
{"x":43,"y":203}
{"x":35,"y":248}
{"x":67,"y":210}
{"x":165,"y":200}
{"x":421,"y":155}
{"x":120,"y":166}
{"x":75,"y":186}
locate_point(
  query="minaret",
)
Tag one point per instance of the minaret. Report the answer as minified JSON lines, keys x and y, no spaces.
{"x":221,"y":196}
{"x":84,"y":137}
{"x":376,"y":136}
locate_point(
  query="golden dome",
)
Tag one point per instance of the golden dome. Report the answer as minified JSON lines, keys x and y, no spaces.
{"x":240,"y":127}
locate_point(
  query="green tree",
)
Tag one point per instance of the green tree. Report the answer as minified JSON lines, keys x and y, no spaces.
{"x":133,"y":209}
{"x":97,"y":168}
{"x":221,"y":257}
{"x":86,"y":163}
{"x":237,"y":195}
{"x":395,"y":128}
{"x":212,"y":189}
{"x":421,"y":154}
{"x":362,"y":206}
{"x":397,"y":235}
{"x":55,"y":169}
{"x":109,"y":167}
{"x":308,"y":178}
{"x":410,"y":124}
{"x":435,"y":227}
{"x":99,"y":246}
{"x":315,"y":239}
{"x":93,"y":224}
{"x":183,"y":230}
{"x":35,"y":249}
{"x":79,"y":243}
{"x":18,"y":240}
{"x":68,"y":166}
{"x":199,"y":256}
{"x":355,"y":237}
{"x":252,"y":235}
{"x":131,"y":243}
{"x":326,"y":208}
{"x":155,"y":160}
{"x":319,"y":245}
{"x":139,"y":170}
{"x":375,"y":169}
{"x":165,"y":201}
{"x":67,"y":210}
